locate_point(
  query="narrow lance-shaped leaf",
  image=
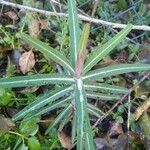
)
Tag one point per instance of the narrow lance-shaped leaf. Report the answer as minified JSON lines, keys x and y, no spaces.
{"x":104,"y":97}
{"x":96,"y":109}
{"x":84,"y":39}
{"x":35,"y":80}
{"x":106,"y":88}
{"x":115,"y":70}
{"x":74,"y":31}
{"x":82,"y":52}
{"x":66,"y":119}
{"x":100,"y":52}
{"x":92,"y":112}
{"x":57,"y":104}
{"x":59,"y":118}
{"x":82,"y":119}
{"x":50,"y":52}
{"x":74,"y":128}
{"x":42,"y":101}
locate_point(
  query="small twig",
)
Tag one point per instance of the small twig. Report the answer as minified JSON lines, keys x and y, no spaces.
{"x":120,"y":101}
{"x":128,"y":120}
{"x":95,"y":8}
{"x":84,"y":18}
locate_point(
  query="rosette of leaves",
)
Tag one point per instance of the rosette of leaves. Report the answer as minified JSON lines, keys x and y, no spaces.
{"x":77,"y":84}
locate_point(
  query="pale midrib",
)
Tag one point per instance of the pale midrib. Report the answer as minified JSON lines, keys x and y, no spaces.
{"x":116,"y":69}
{"x":101,"y":96}
{"x":61,"y":115}
{"x":74,"y":31}
{"x":43,"y":101}
{"x":36,"y":80}
{"x":81,"y":101}
{"x":104,"y":51}
{"x":55,"y":105}
{"x":88,"y":140}
{"x":105,"y":88}
{"x":64,"y":62}
{"x":50,"y":108}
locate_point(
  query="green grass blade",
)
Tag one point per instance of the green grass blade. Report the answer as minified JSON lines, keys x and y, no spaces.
{"x":74,"y":31}
{"x":59,"y":118}
{"x":97,"y":96}
{"x":100,"y":52}
{"x":115,"y":70}
{"x":42,"y":101}
{"x":35,"y":80}
{"x":49,"y":108}
{"x":106,"y":88}
{"x":50,"y":52}
{"x":82,"y":116}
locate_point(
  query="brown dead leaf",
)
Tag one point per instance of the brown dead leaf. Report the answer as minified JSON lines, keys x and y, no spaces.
{"x":139,"y":111}
{"x":12,"y":15}
{"x":34,"y":28}
{"x":26,"y":61}
{"x":65,"y":140}
{"x":29,"y":90}
{"x":5,"y":124}
{"x":44,"y":24}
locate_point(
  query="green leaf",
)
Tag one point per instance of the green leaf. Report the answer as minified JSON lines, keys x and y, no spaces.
{"x":95,"y":109}
{"x":92,"y":112}
{"x":82,"y":117}
{"x":29,"y":127}
{"x":5,"y":97}
{"x":74,"y":128}
{"x":33,"y":143}
{"x":49,"y":108}
{"x":97,"y":96}
{"x":115,"y":70}
{"x":84,"y":38}
{"x":59,"y":118}
{"x":74,"y":31}
{"x":82,"y":50}
{"x":106,"y":87}
{"x":22,"y":147}
{"x":42,"y":101}
{"x":35,"y":80}
{"x":66,"y":119}
{"x":100,"y":52}
{"x":49,"y":52}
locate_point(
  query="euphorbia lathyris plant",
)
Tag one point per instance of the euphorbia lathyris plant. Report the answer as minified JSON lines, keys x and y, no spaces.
{"x":78,"y":85}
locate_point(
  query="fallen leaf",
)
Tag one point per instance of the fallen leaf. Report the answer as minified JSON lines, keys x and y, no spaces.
{"x":34,"y":27}
{"x":44,"y":24}
{"x":29,"y":90}
{"x":5,"y":124}
{"x":65,"y":140}
{"x":26,"y":61}
{"x":12,"y":15}
{"x":139,"y":111}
